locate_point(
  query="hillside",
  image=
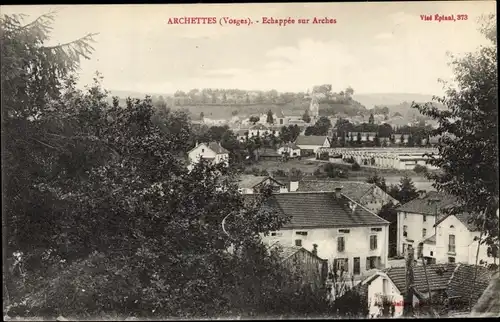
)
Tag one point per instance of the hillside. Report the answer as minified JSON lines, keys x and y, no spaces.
{"x":386,"y":99}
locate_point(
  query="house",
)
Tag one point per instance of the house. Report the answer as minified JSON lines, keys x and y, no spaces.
{"x":267,"y":154}
{"x":364,"y":136}
{"x":249,"y":184}
{"x":400,"y":138}
{"x":261,"y":130}
{"x":212,"y":152}
{"x":311,"y":143}
{"x":345,"y":233}
{"x":456,"y":240}
{"x":367,"y":194}
{"x":449,"y":283}
{"x":417,"y":217}
{"x":314,"y":270}
{"x":290,"y":149}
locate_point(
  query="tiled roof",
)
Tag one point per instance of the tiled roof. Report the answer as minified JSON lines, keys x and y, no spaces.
{"x":321,"y":209}
{"x":488,"y":304}
{"x":422,"y":205}
{"x":439,"y":275}
{"x":310,"y":140}
{"x":353,"y":189}
{"x":462,"y":282}
{"x":217,"y":148}
{"x":290,"y":145}
{"x":248,"y":181}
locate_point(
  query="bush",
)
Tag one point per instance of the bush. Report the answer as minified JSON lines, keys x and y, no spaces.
{"x":333,"y":171}
{"x":318,"y":173}
{"x":279,"y":173}
{"x":420,"y":169}
{"x":355,"y":166}
{"x":349,"y":160}
{"x":323,"y":156}
{"x":264,"y":173}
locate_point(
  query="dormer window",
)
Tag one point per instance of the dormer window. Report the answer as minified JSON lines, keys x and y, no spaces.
{"x":202,"y":150}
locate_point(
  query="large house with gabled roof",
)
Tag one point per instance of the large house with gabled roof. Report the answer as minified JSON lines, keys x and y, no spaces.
{"x":312,"y":143}
{"x":348,"y":235}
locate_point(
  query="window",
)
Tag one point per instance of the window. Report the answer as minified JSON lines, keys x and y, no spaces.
{"x":432,"y":253}
{"x":357,"y":266}
{"x":451,"y":259}
{"x":372,"y":262}
{"x":405,"y":231}
{"x":340,"y":244}
{"x":341,"y":264}
{"x":424,"y":232}
{"x":406,"y":216}
{"x":376,"y":229}
{"x":451,"y":243}
{"x":298,"y":242}
{"x":373,"y":242}
{"x":202,"y":150}
{"x":301,"y":233}
{"x":276,"y":234}
{"x":344,"y":231}
{"x":424,"y":218}
{"x":385,"y":286}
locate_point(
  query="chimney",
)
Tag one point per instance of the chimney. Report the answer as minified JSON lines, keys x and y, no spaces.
{"x":315,"y":249}
{"x":337,"y":192}
{"x":294,"y":185}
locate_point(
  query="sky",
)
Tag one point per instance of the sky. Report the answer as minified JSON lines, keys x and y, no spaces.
{"x":373,"y":47}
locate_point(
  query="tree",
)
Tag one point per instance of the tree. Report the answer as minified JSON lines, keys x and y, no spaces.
{"x":323,"y":125}
{"x":358,"y":138}
{"x":389,"y":213}
{"x":411,"y":142}
{"x":202,"y":115}
{"x":254,"y":119}
{"x":376,"y":140}
{"x":305,"y":117}
{"x":378,"y":181}
{"x":407,"y":190}
{"x":103,"y":211}
{"x":247,"y":99}
{"x":371,"y":120}
{"x":468,"y":146}
{"x":270,"y":119}
{"x":224,"y":98}
{"x":349,"y":91}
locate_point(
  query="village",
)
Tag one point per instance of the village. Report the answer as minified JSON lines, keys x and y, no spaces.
{"x":338,"y":236}
{"x":156,"y":171}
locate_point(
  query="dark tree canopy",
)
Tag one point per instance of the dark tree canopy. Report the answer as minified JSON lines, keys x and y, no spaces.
{"x":468,"y":128}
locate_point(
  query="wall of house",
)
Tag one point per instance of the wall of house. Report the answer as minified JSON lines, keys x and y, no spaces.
{"x":415,"y":225}
{"x":292,"y":153}
{"x":376,"y":289}
{"x":465,"y":246}
{"x":357,"y":243}
{"x":376,"y":199}
{"x":201,"y":151}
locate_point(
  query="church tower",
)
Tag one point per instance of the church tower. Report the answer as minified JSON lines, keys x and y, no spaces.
{"x":314,"y":108}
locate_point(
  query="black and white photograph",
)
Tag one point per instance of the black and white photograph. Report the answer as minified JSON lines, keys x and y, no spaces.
{"x":250,"y":161}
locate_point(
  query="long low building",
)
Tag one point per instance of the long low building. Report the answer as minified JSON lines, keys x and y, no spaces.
{"x":396,"y":158}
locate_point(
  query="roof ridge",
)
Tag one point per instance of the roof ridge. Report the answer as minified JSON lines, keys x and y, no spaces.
{"x":369,"y":211}
{"x":453,"y":275}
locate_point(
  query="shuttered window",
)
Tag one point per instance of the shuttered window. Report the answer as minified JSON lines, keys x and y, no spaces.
{"x":340,"y":244}
{"x":373,"y":242}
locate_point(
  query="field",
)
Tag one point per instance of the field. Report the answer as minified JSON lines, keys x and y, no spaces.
{"x":392,"y":176}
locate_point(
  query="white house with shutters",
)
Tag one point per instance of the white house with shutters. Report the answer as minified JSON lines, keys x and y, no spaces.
{"x":348,"y":235}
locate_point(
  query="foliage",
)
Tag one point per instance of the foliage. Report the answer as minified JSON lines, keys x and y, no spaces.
{"x":305,"y":117}
{"x":389,"y":213}
{"x":270,"y":119}
{"x":289,"y":133}
{"x":103,"y":214}
{"x":333,"y":171}
{"x":254,"y":119}
{"x":379,"y":181}
{"x":405,"y":191}
{"x":355,"y":167}
{"x":468,"y":146}
{"x":420,"y":169}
